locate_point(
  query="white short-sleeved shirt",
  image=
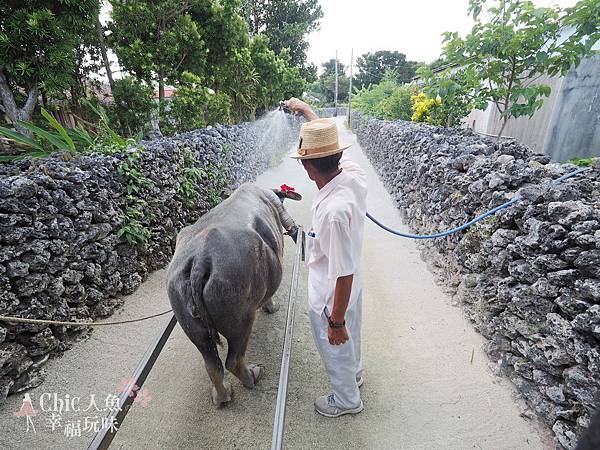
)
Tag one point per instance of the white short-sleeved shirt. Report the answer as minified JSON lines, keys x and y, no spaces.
{"x":336,"y":236}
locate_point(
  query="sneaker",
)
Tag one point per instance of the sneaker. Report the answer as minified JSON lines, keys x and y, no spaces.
{"x":325,"y":405}
{"x":359,"y":381}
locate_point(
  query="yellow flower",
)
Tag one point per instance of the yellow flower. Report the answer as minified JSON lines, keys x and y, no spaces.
{"x":422,"y":106}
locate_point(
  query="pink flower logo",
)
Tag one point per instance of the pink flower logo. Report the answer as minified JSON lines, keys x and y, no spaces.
{"x":127,"y":385}
{"x":26,"y":409}
{"x":143,"y":397}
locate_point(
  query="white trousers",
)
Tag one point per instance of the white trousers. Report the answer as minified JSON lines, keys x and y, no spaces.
{"x":342,"y":362}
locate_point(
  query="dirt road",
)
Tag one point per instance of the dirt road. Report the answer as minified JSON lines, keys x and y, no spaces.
{"x":421,"y":391}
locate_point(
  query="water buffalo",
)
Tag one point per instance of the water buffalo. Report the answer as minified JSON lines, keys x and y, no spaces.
{"x":225,"y":267}
{"x":590,"y":440}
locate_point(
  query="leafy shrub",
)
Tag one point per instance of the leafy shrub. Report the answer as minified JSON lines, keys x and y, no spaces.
{"x":399,"y":105}
{"x":195,"y":106}
{"x":458,"y":90}
{"x":53,"y":137}
{"x":385,"y":100}
{"x":106,"y":139}
{"x":44,"y":141}
{"x":583,"y":162}
{"x":133,"y":211}
{"x":218,"y":108}
{"x":133,"y":107}
{"x":369,"y":100}
{"x":446,"y":98}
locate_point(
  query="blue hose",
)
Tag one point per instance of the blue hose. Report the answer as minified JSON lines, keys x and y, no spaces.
{"x":479,"y":218}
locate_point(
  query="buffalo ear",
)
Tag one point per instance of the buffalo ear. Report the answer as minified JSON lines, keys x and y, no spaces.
{"x":288,"y":194}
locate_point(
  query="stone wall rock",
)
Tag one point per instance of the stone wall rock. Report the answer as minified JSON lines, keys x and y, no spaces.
{"x":60,"y":254}
{"x":528,"y":278}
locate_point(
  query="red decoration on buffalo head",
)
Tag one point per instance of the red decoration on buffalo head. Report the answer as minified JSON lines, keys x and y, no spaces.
{"x":285,"y":188}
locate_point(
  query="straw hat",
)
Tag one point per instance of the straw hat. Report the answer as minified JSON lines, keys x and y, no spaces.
{"x":318,"y":139}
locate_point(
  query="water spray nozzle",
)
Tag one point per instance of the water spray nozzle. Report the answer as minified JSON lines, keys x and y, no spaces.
{"x":283,"y":107}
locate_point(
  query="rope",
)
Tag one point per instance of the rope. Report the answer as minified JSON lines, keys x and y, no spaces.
{"x":479,"y":218}
{"x":79,"y":324}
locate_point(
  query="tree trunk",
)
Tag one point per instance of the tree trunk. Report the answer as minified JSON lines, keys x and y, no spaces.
{"x":74,"y":95}
{"x":13,"y":112}
{"x":161,"y":90}
{"x":102,"y":45}
{"x":161,"y":95}
{"x":256,"y":24}
{"x":505,"y":121}
{"x":161,"y":100}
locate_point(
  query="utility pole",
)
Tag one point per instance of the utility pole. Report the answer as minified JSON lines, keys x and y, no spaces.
{"x":350,"y":89}
{"x":336,"y":83}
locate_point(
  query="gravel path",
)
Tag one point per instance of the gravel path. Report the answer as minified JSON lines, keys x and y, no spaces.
{"x":427,"y":384}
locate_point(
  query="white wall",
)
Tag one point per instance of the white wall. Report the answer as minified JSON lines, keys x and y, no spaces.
{"x":531,"y":132}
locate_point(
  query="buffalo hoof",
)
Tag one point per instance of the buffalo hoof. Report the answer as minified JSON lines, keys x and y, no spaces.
{"x":222,"y":398}
{"x":257,"y":373}
{"x":270,"y":307}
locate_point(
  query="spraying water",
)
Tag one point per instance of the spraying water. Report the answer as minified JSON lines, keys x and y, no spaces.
{"x":276,"y":132}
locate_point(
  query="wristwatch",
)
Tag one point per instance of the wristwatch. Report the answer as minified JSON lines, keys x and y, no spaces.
{"x":332,"y":324}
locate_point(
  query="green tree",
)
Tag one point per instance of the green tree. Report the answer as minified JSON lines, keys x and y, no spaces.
{"x":224,"y":31}
{"x":269,"y":70}
{"x":518,"y":45}
{"x":242,"y":84}
{"x":329,"y":68}
{"x":286,"y":23}
{"x":277,"y":80}
{"x":89,"y":61}
{"x":584,"y":17}
{"x":293,"y":84}
{"x":101,"y":37}
{"x":195,"y":106}
{"x":373,"y":66}
{"x":325,"y":89}
{"x":157,"y":41}
{"x":39,"y":43}
{"x":309,"y":72}
{"x":133,"y":106}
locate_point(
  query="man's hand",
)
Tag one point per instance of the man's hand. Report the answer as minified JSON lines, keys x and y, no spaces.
{"x":343,"y":288}
{"x":297,"y":105}
{"x":337,"y":336}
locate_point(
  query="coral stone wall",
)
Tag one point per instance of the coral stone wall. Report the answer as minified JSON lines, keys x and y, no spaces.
{"x":61,"y":257}
{"x":529,"y":277}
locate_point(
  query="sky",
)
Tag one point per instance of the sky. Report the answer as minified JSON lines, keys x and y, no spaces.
{"x":412,"y":27}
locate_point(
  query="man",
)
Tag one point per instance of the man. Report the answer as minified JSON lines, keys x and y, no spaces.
{"x":335,"y":242}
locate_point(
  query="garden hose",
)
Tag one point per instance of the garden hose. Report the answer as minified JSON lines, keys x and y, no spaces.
{"x":479,"y":218}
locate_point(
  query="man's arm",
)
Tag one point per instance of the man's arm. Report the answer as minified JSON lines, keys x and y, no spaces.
{"x":346,"y":163}
{"x":297,"y":105}
{"x":343,"y":288}
{"x":341,"y":268}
